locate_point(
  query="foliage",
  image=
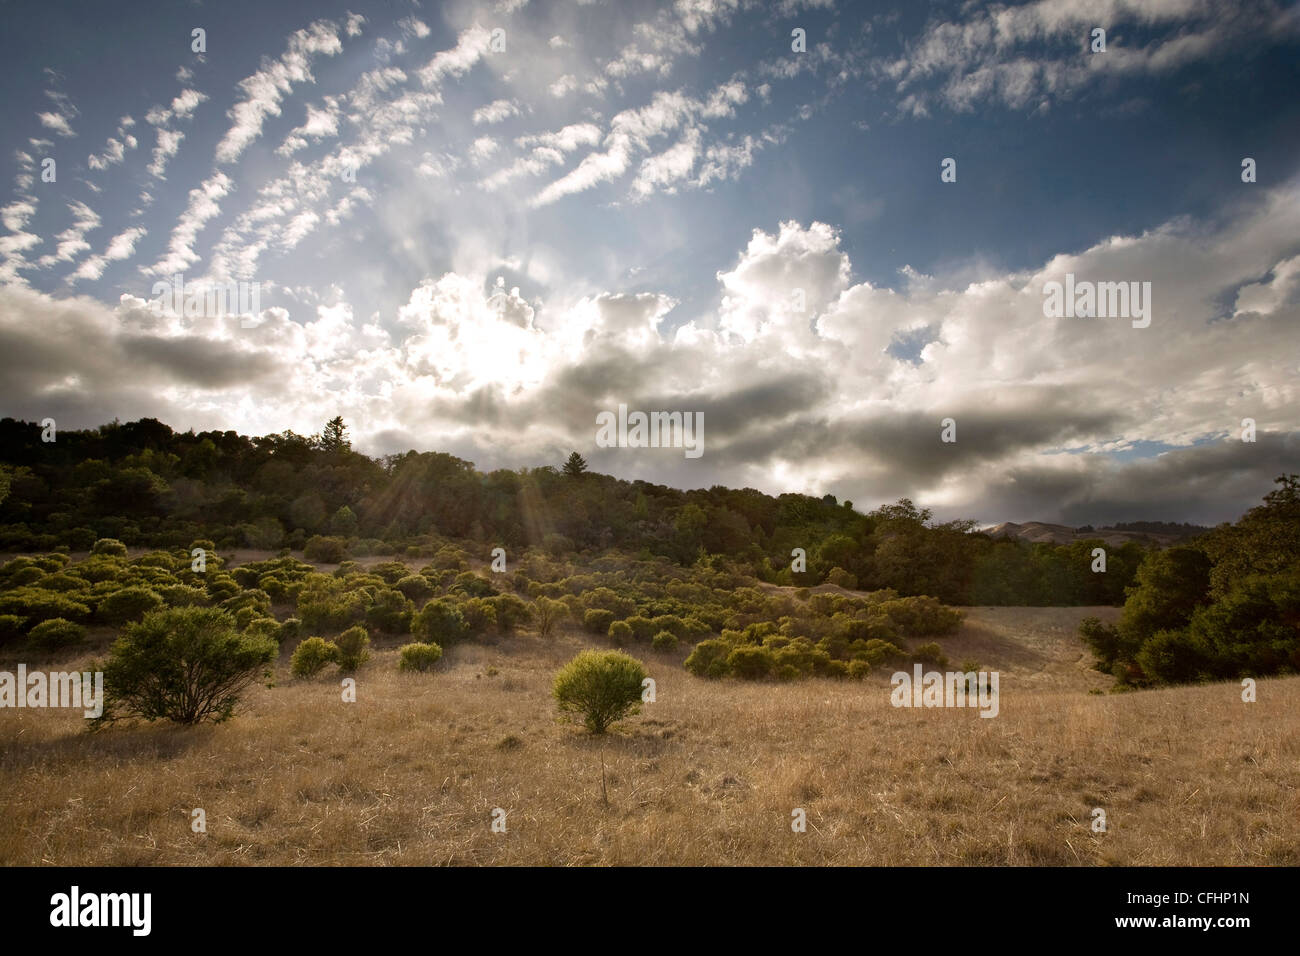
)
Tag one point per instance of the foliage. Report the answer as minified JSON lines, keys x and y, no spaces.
{"x":601,"y":687}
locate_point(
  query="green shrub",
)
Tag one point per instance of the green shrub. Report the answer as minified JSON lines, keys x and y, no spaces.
{"x":642,"y":627}
{"x":480,"y":616}
{"x":391,"y":613}
{"x":414,"y":586}
{"x":664,"y":641}
{"x":620,"y":633}
{"x":473,"y":585}
{"x":354,"y":648}
{"x":921,"y":616}
{"x":56,"y":633}
{"x":128,"y":604}
{"x":511,"y":612}
{"x":325,"y":550}
{"x":548,"y":612}
{"x":312,"y":655}
{"x":859,"y":669}
{"x":602,"y":687}
{"x":263,"y":627}
{"x":751,"y":661}
{"x":440,"y":622}
{"x":290,"y":630}
{"x":418,"y":657}
{"x":182,"y":664}
{"x":930,"y":654}
{"x":597,"y":620}
{"x":110,"y":547}
{"x":61,"y":581}
{"x":879,"y":653}
{"x":35,"y":605}
{"x":709,"y":659}
{"x":182,"y":595}
{"x":842,"y":578}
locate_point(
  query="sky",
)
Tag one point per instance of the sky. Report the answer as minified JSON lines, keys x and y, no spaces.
{"x":826,"y":227}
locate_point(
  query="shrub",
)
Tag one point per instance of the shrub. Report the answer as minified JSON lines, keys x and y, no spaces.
{"x":35,"y":605}
{"x":391,"y":613}
{"x":921,"y":616}
{"x":751,"y":661}
{"x":511,"y":612}
{"x":263,"y":627}
{"x":879,"y":653}
{"x":842,"y":578}
{"x":642,"y":627}
{"x":290,"y":630}
{"x":353,"y":645}
{"x":600,"y":686}
{"x":664,"y":641}
{"x":60,"y":581}
{"x":547,"y":612}
{"x":110,"y":547}
{"x":597,"y":620}
{"x":480,"y":616}
{"x":473,"y":585}
{"x":418,"y":657}
{"x":182,"y":595}
{"x":859,"y":669}
{"x":620,"y":633}
{"x":325,"y":550}
{"x":312,"y":655}
{"x":930,"y":654}
{"x":182,"y":664}
{"x":709,"y":659}
{"x":55,"y":633}
{"x":414,"y":586}
{"x":440,"y":622}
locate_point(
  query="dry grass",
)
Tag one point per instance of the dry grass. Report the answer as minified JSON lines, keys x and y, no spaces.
{"x":709,"y":774}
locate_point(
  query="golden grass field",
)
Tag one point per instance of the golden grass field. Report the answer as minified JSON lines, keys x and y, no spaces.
{"x":708,"y":774}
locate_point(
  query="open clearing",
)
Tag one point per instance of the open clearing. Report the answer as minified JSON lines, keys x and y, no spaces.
{"x":708,"y":774}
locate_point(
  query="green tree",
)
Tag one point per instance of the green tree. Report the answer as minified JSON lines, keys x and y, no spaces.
{"x":335,"y":436}
{"x":575,"y":465}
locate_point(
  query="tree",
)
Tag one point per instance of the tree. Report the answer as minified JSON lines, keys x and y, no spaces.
{"x":575,"y":466}
{"x":335,"y":437}
{"x":601,"y":686}
{"x":184,"y":664}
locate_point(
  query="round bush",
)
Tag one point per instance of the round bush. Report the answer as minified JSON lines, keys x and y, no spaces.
{"x":600,"y":687}
{"x":353,"y":644}
{"x":597,"y":620}
{"x":709,"y":659}
{"x":664,"y":641}
{"x":128,"y":604}
{"x":440,"y":622}
{"x":325,"y":550}
{"x":56,"y":633}
{"x":312,"y":655}
{"x":110,"y":547}
{"x":620,"y":632}
{"x":414,"y":586}
{"x":418,"y":657}
{"x":751,"y":661}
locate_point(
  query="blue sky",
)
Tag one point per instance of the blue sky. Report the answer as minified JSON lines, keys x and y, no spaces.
{"x":618,"y":205}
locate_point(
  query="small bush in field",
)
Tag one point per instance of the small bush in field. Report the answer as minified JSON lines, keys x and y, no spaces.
{"x":290,"y":630}
{"x":597,"y":620}
{"x":601,"y":687}
{"x":664,"y":641}
{"x":353,"y":644}
{"x":751,"y":661}
{"x":480,"y":616}
{"x":56,"y":633}
{"x":414,"y":586}
{"x":418,"y":657}
{"x":859,"y":669}
{"x":110,"y":547}
{"x":185,"y":664}
{"x":620,"y":633}
{"x":842,"y":578}
{"x":313,"y":655}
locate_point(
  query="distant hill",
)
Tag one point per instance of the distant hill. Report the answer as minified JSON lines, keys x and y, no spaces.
{"x":1161,"y":534}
